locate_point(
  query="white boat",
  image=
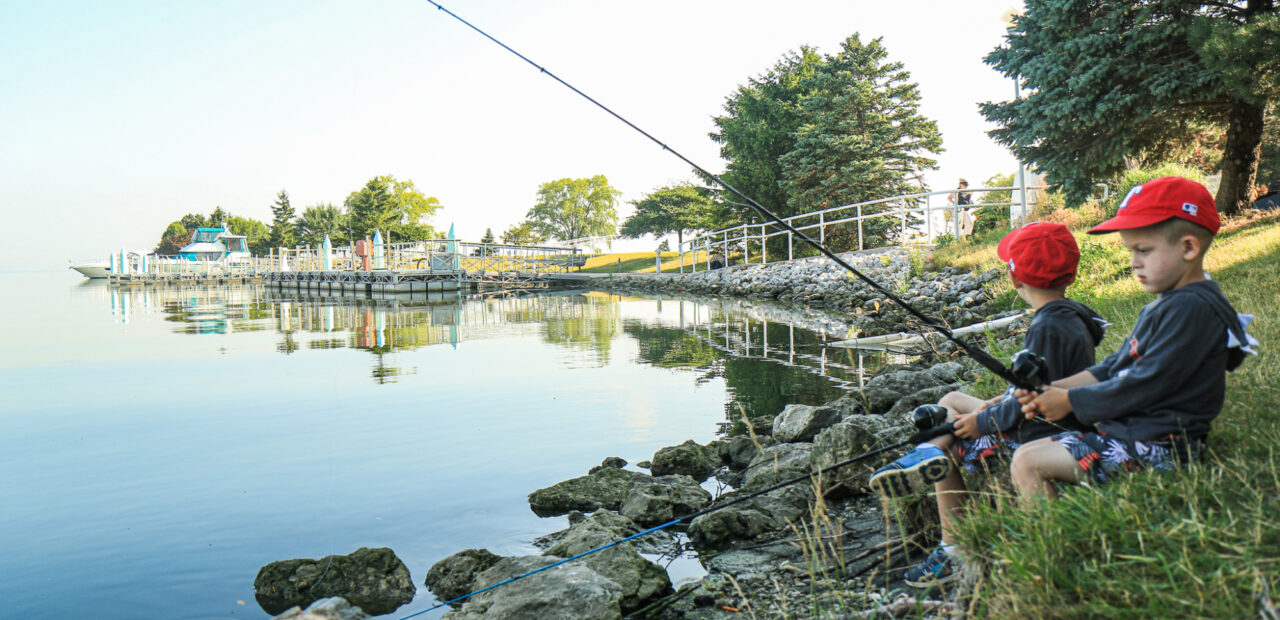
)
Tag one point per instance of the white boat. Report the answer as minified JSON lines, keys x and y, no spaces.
{"x":97,"y":268}
{"x":215,"y":244}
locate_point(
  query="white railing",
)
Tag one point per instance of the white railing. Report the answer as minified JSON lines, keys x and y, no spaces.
{"x":435,"y":255}
{"x":919,"y":219}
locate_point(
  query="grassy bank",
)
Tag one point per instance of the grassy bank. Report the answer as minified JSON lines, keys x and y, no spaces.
{"x":1202,"y":542}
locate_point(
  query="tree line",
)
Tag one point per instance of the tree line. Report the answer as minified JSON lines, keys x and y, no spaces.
{"x":385,"y":203}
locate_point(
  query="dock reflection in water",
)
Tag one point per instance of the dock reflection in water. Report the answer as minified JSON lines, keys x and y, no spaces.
{"x":769,"y":354}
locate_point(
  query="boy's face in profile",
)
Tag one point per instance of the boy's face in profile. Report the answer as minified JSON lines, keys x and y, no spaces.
{"x":1159,"y":264}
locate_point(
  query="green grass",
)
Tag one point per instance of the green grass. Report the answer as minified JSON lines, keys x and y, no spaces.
{"x":1199,"y":542}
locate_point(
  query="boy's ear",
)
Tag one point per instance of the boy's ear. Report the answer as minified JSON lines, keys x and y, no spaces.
{"x":1190,"y":246}
{"x":1017,"y":284}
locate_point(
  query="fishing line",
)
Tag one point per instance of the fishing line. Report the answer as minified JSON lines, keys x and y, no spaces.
{"x":978,"y":355}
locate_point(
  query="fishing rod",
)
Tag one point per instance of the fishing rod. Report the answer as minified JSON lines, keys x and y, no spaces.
{"x":978,"y":355}
{"x":929,"y":420}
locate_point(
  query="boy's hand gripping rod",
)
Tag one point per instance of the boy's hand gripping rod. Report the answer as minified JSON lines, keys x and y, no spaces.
{"x":978,"y":355}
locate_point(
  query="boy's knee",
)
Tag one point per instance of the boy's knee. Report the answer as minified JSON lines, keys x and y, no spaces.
{"x":949,"y":401}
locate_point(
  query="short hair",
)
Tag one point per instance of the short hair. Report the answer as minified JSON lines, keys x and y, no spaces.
{"x":1176,"y":228}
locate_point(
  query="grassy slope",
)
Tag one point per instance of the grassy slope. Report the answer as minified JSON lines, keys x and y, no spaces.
{"x":637,"y":262}
{"x":1195,"y":543}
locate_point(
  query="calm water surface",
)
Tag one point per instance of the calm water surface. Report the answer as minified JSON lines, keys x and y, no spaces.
{"x":159,"y":445}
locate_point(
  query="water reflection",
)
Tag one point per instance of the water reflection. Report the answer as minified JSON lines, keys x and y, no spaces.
{"x":769,"y":354}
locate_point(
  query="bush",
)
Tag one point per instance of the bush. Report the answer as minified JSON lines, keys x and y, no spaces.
{"x":1138,"y":176}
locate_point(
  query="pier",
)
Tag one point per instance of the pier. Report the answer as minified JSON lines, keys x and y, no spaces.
{"x":369,"y":268}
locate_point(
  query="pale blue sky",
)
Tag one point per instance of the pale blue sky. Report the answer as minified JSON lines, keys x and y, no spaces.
{"x":118,"y":117}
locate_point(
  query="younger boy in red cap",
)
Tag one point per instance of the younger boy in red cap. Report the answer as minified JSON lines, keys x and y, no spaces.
{"x":1153,"y":400}
{"x":1042,"y":259}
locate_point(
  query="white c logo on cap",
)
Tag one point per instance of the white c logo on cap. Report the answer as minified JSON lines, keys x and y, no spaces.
{"x":1137,"y":189}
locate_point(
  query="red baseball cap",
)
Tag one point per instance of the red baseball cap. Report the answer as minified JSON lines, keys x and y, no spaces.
{"x":1160,"y":199}
{"x":1041,"y":254}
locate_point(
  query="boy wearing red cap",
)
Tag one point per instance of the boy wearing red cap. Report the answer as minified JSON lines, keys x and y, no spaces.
{"x":1042,"y":260}
{"x":1152,"y":401}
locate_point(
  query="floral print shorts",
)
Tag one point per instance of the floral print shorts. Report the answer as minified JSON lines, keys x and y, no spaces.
{"x":1101,"y":457}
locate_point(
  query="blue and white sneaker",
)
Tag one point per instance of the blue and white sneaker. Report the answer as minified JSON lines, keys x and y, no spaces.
{"x":937,"y":569}
{"x":916,"y":469}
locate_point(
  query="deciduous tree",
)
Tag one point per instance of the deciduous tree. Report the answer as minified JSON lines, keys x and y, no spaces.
{"x":524,"y":233}
{"x":672,"y":209}
{"x":319,"y":220}
{"x":574,"y":208}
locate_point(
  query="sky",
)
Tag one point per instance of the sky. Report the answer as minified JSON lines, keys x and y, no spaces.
{"x":116,"y":118}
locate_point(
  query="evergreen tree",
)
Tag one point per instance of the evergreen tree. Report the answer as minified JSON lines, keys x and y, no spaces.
{"x":1106,"y":80}
{"x":319,"y":220}
{"x":758,"y":129}
{"x":488,"y":236}
{"x":863,"y":137}
{"x":282,"y":233}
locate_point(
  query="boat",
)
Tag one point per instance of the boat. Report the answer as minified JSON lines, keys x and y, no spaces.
{"x":93,"y":269}
{"x":215,"y":244}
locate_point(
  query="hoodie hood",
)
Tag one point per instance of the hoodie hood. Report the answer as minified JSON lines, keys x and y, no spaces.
{"x":1096,"y":325}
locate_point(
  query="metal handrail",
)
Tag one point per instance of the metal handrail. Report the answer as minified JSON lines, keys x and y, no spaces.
{"x":903,"y":207}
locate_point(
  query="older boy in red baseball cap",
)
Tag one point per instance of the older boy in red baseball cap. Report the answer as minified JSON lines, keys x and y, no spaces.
{"x":1153,"y":400}
{"x":1042,"y":260}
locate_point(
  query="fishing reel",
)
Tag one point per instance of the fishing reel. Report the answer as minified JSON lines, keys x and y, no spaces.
{"x":930,"y":421}
{"x":1029,"y":368}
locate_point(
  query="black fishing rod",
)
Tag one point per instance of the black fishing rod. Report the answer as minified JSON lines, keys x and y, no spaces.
{"x":978,"y":355}
{"x":929,"y":420}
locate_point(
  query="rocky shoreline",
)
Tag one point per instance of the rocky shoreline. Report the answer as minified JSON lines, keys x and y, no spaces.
{"x":809,"y":549}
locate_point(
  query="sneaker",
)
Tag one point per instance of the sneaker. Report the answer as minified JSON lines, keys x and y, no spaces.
{"x":937,"y":569}
{"x":916,"y":469}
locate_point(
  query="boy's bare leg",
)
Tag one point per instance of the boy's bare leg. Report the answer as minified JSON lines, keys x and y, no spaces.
{"x":950,"y":494}
{"x":956,"y":403}
{"x":1038,"y":464}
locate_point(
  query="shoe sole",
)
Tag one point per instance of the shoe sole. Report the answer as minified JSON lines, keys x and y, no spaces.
{"x":932,"y":581}
{"x":899,"y":482}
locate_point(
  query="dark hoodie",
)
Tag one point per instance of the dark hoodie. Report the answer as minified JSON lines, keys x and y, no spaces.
{"x":1064,"y":332}
{"x":1168,"y":377}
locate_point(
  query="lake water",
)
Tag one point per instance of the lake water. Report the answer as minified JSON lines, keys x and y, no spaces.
{"x":159,"y":445}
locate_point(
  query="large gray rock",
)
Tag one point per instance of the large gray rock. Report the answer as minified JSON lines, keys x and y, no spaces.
{"x":640,"y":579}
{"x":802,"y":422}
{"x":373,"y":579}
{"x":451,"y":577}
{"x":659,"y":500}
{"x":901,"y":410}
{"x":604,"y":488}
{"x":656,"y":543}
{"x":738,"y":452}
{"x":332,"y":608}
{"x":688,"y":458}
{"x":854,"y":436}
{"x":777,"y":463}
{"x":571,"y":590}
{"x":752,"y":519}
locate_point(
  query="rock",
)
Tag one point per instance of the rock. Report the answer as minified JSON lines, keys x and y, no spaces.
{"x":373,"y":579}
{"x":737,"y":452}
{"x":605,"y":488}
{"x":688,"y":458}
{"x":878,"y":399}
{"x":618,"y":526}
{"x":802,"y":422}
{"x":644,"y":464}
{"x":777,"y":463}
{"x":572,"y":590}
{"x":640,"y":579}
{"x":854,"y":436}
{"x":332,"y":608}
{"x":612,"y":461}
{"x":659,"y":500}
{"x":753,"y":518}
{"x":902,"y":409}
{"x":451,"y":577}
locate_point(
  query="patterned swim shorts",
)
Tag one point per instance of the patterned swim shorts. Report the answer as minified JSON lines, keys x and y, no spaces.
{"x":974,"y":453}
{"x":1101,"y":456}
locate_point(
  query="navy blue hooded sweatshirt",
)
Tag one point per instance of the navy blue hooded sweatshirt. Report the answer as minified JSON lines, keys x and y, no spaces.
{"x":1168,"y":377}
{"x":1064,"y":332}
